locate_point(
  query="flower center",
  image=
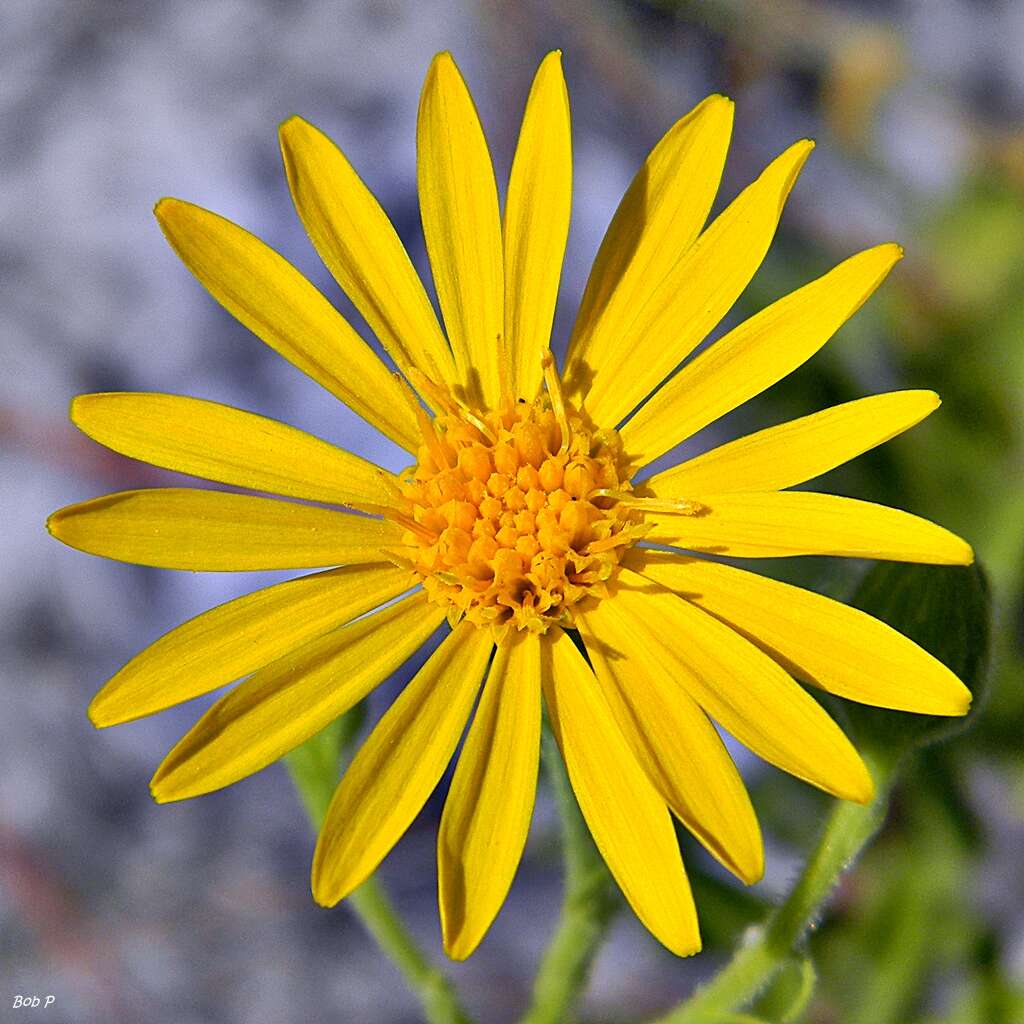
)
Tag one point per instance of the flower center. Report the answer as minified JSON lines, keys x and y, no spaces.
{"x":512,"y":517}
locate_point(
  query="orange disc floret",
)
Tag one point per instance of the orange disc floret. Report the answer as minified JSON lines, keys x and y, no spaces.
{"x":514,"y":516}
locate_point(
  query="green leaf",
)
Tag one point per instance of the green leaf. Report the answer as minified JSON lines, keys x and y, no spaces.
{"x":945,"y":609}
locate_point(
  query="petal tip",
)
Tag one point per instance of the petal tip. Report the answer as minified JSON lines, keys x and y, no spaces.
{"x":293,"y":122}
{"x":442,"y":61}
{"x":96,"y":714}
{"x":320,"y":898}
{"x":457,"y":947}
{"x":326,"y":891}
{"x":962,"y":701}
{"x":166,"y":206}
{"x":78,"y":409}
{"x":751,"y":871}
{"x":53,"y":524}
{"x":862,"y":789}
{"x":158,"y":791}
{"x":894,"y":250}
{"x":684,"y":946}
{"x":800,"y":151}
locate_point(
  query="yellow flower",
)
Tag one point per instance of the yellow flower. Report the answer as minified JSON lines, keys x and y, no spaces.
{"x":526,"y":517}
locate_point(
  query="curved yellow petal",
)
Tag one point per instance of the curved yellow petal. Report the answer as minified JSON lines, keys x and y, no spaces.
{"x":487,"y":813}
{"x":773,"y":524}
{"x":462,"y":228}
{"x":799,"y":450}
{"x":537,"y":224}
{"x":624,"y":812}
{"x":241,"y":636}
{"x":840,"y":649}
{"x":293,"y":698}
{"x":682,"y":754}
{"x":262,"y":290}
{"x":398,"y":766}
{"x":736,"y":684}
{"x":692,"y":295}
{"x":212,"y":531}
{"x":218,"y":442}
{"x":658,"y":219}
{"x":756,"y":354}
{"x":358,"y":243}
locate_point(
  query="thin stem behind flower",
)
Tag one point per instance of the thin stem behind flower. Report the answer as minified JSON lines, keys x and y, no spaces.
{"x":588,"y":907}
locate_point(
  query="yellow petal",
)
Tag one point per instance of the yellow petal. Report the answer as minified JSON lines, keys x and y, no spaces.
{"x":657,"y":221}
{"x":840,"y":649}
{"x":399,"y":765}
{"x":211,"y":531}
{"x":462,"y":227}
{"x":362,"y":250}
{"x":241,"y":636}
{"x":682,"y":754}
{"x":537,"y":224}
{"x":777,"y":523}
{"x":736,"y":684}
{"x":265,"y":292}
{"x":292,"y":699}
{"x":487,"y":813}
{"x":625,"y":814}
{"x":756,"y":354}
{"x":691,"y":296}
{"x":221,"y":443}
{"x":799,"y":450}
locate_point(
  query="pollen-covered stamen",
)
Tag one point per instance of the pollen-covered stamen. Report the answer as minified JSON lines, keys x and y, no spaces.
{"x":514,"y":514}
{"x":669,"y":506}
{"x":554,"y":386}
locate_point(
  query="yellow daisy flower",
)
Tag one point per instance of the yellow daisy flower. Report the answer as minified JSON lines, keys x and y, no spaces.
{"x":526,"y":521}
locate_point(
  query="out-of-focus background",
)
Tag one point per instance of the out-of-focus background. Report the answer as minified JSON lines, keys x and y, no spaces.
{"x":201,"y":912}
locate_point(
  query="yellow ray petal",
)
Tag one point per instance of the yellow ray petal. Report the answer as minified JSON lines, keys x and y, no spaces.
{"x":462,"y":227}
{"x":292,"y":699}
{"x":265,"y":292}
{"x":361,"y":248}
{"x":241,"y":636}
{"x":658,"y":219}
{"x":799,"y":450}
{"x":627,"y":818}
{"x":777,"y":523}
{"x":682,"y":754}
{"x":840,"y":649}
{"x":735,"y":683}
{"x":396,"y":769}
{"x":537,"y":224}
{"x":692,"y":295}
{"x":756,"y":354}
{"x":487,"y":813}
{"x":221,"y":443}
{"x":211,"y":531}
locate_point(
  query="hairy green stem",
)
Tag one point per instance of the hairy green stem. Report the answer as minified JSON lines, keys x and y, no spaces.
{"x":588,"y":907}
{"x":381,"y":920}
{"x":755,"y":963}
{"x":378,"y":916}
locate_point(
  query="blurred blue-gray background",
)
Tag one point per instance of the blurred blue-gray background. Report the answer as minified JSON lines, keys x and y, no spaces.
{"x":201,"y":912}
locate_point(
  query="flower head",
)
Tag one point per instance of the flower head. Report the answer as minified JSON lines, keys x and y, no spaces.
{"x":526,"y":519}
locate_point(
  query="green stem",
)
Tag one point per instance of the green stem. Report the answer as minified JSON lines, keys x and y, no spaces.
{"x":588,"y":907}
{"x":848,"y":829}
{"x":378,"y":916}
